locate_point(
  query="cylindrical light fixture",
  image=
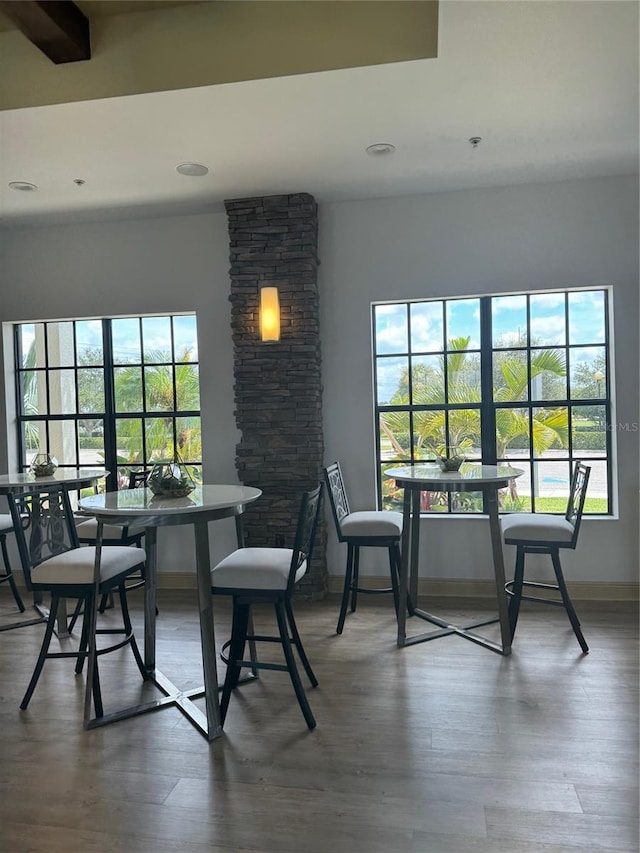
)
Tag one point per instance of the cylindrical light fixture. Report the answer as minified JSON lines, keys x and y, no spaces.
{"x":269,"y":314}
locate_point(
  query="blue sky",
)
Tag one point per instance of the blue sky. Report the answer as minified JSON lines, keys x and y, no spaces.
{"x":126,"y":338}
{"x":509,"y":319}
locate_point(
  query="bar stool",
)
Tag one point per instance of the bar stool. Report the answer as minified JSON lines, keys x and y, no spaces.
{"x":269,"y":575}
{"x":375,"y":528}
{"x":541,"y":533}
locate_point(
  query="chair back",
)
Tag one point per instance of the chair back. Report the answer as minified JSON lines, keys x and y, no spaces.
{"x":305,"y":533}
{"x":577,"y":495}
{"x":337,"y":495}
{"x":137,"y":479}
{"x":44,"y":525}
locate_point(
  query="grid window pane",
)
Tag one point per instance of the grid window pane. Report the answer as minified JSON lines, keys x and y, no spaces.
{"x":510,"y":376}
{"x":521,"y":351}
{"x":188,"y":437}
{"x":70,"y":405}
{"x":509,"y":321}
{"x":392,"y":380}
{"x":156,"y":337}
{"x":187,"y":387}
{"x":513,"y":433}
{"x":63,"y":441}
{"x":587,"y":317}
{"x":129,"y":440}
{"x":547,"y":319}
{"x":429,"y":433}
{"x":159,"y":439}
{"x":588,"y":372}
{"x":548,"y":374}
{"x":463,"y":378}
{"x":427,"y":329}
{"x":395,"y":442}
{"x":31,"y":344}
{"x":127,"y":382}
{"x":34,"y":439}
{"x":60,"y":345}
{"x":158,"y":389}
{"x":185,"y":338}
{"x":550,"y":431}
{"x":588,"y":430}
{"x":427,"y":380}
{"x":62,"y":392}
{"x":598,"y":497}
{"x":551,"y":485}
{"x":33,"y":392}
{"x":392,"y":496}
{"x":125,"y":334}
{"x":463,"y":321}
{"x":90,"y":389}
{"x":89,"y":345}
{"x":464,"y":432}
{"x":391,"y":328}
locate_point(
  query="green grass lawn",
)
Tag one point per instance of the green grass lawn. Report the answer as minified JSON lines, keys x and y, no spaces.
{"x":591,"y":505}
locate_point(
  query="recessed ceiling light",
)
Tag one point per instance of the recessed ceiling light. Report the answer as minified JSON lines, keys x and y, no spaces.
{"x":23,"y":186}
{"x":194,"y":170}
{"x":379,"y":149}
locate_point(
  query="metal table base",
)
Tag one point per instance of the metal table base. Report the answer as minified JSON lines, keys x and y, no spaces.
{"x":413,"y":486}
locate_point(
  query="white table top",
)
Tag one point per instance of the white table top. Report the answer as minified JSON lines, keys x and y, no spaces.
{"x":142,"y":503}
{"x":472,"y":476}
{"x":71,"y":476}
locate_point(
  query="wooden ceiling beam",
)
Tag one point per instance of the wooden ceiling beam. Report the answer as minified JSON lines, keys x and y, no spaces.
{"x":57,"y":27}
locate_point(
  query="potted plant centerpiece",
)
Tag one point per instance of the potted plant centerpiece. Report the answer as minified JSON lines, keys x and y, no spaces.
{"x":171,"y":479}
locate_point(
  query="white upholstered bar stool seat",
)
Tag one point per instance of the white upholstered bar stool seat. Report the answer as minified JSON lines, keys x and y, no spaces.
{"x":372,"y":523}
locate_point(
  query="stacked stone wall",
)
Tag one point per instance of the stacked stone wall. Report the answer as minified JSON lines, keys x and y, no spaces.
{"x":278,"y":385}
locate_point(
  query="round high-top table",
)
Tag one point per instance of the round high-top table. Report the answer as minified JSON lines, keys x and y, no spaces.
{"x":20,"y":481}
{"x":141,"y":508}
{"x":472,"y":477}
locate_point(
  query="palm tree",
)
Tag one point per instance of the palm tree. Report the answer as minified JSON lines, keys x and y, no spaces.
{"x":549,"y":425}
{"x":158,"y":385}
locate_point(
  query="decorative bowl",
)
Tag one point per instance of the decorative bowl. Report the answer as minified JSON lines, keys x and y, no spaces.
{"x":170,"y":480}
{"x":450,"y":463}
{"x":43,"y":465}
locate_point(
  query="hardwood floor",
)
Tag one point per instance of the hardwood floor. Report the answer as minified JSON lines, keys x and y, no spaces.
{"x":443,"y":747}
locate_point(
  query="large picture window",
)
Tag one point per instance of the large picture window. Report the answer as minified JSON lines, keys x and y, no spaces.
{"x":120,"y":393}
{"x":522,"y":379}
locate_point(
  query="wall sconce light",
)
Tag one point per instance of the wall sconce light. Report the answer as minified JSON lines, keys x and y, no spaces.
{"x":269,"y":314}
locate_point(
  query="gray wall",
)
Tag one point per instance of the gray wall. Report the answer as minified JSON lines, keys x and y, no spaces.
{"x":568,"y":234}
{"x":533,"y":237}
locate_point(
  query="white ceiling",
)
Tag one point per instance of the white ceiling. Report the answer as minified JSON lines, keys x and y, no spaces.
{"x":551,"y":87}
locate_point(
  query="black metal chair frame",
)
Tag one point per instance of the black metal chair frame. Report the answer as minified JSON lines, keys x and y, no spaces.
{"x":288,"y":636}
{"x":8,"y":577}
{"x":50,"y":509}
{"x":515,"y":588}
{"x":340,"y":509}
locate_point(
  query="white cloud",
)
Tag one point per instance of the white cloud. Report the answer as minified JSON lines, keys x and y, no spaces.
{"x":548,"y":329}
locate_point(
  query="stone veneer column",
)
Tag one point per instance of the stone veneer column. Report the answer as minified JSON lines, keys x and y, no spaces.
{"x":278,"y":388}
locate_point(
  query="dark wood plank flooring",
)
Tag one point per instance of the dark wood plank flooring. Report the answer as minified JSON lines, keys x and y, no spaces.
{"x":444,"y":747}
